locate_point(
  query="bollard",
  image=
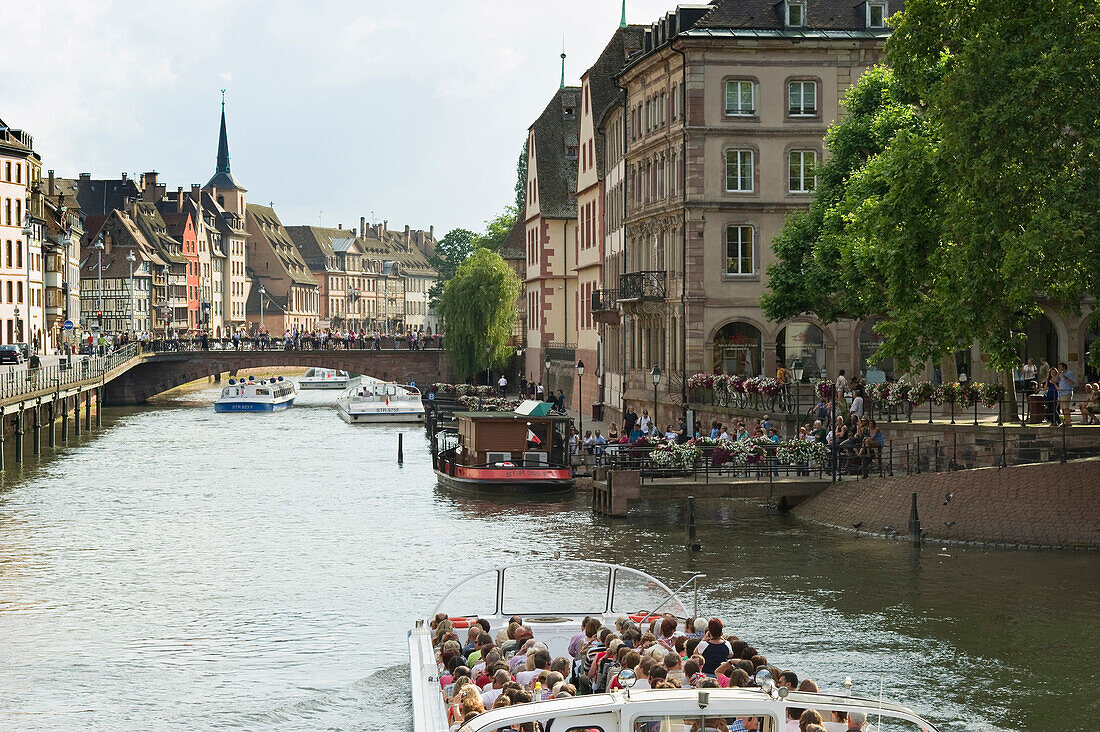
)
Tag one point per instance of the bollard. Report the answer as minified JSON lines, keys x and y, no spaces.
{"x":19,"y":435}
{"x":691,"y":542}
{"x":53,"y":418}
{"x":1,"y":440}
{"x":37,"y":427}
{"x":914,"y":522}
{"x":98,"y":406}
{"x":400,"y":448}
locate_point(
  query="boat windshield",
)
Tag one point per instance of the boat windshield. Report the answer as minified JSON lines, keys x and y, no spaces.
{"x":559,"y":588}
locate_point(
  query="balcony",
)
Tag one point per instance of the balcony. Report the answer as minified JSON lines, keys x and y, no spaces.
{"x":605,"y":306}
{"x":561,"y":351}
{"x":643,"y":292}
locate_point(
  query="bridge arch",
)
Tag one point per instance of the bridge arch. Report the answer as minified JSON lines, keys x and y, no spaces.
{"x":160,"y":372}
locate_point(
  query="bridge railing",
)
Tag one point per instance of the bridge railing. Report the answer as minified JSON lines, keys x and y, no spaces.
{"x":14,"y":384}
{"x":160,"y":345}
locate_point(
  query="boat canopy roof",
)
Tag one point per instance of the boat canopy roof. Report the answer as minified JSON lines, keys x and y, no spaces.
{"x":559,"y":588}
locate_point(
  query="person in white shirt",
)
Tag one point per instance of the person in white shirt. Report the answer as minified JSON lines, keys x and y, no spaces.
{"x":856,"y":410}
{"x":645,"y":424}
{"x":502,"y":385}
{"x":542,"y":663}
{"x":489,"y":696}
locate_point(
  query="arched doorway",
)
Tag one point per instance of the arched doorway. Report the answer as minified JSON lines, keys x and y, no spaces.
{"x":876,"y":372}
{"x":804,"y":343}
{"x":738,"y":349}
{"x":1040,"y":341}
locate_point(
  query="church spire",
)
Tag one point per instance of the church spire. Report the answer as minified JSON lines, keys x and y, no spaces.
{"x":622,"y":21}
{"x":562,"y":85}
{"x":223,"y":143}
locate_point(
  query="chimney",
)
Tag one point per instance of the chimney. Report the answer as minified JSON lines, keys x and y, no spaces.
{"x":431,"y":233}
{"x":406,"y":236}
{"x":195,"y":192}
{"x":149,"y":186}
{"x":179,"y":199}
{"x":363,"y":226}
{"x":50,"y":188}
{"x":385,"y":225}
{"x":107,"y":242}
{"x":85,"y":176}
{"x":124,"y":177}
{"x":126,"y":204}
{"x":340,"y":227}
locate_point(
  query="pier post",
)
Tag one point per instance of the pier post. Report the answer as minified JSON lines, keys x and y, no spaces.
{"x":400,"y":448}
{"x":76,"y":414}
{"x":691,"y":542}
{"x":98,"y":406}
{"x":2,"y":415}
{"x":64,"y":419}
{"x":37,"y":427}
{"x":88,"y":410}
{"x":50,"y":432}
{"x":19,"y":434}
{"x":914,"y":521}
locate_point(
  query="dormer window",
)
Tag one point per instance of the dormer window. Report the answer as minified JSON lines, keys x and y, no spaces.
{"x":876,"y":14}
{"x":796,"y":13}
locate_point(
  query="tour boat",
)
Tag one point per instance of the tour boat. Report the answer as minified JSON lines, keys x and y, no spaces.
{"x":553,"y":598}
{"x":380,"y":401}
{"x":324,"y":379}
{"x":251,"y":395}
{"x":520,"y":452}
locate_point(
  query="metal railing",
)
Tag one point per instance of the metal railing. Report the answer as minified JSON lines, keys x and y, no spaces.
{"x":934,"y":453}
{"x":160,"y":345}
{"x":645,"y":285}
{"x":561,"y":351}
{"x":604,"y":301}
{"x":14,"y":384}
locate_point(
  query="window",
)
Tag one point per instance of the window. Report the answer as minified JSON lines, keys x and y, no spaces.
{"x":796,"y":14}
{"x":802,"y":164}
{"x":739,"y":98}
{"x":876,"y":15}
{"x":739,"y":250}
{"x":802,"y":96}
{"x":739,"y":172}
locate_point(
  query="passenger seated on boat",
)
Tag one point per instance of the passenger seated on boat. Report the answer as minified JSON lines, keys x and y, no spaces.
{"x":564,"y":690}
{"x":788,"y":679}
{"x":473,"y":634}
{"x":713,"y":648}
{"x":629,"y":659}
{"x":481,"y":668}
{"x":674,"y":668}
{"x":807,"y":718}
{"x":507,"y":636}
{"x":541,"y":662}
{"x":500,"y":678}
{"x":856,"y":721}
{"x":484,"y":642}
{"x":657,"y":673}
{"x":759,"y":662}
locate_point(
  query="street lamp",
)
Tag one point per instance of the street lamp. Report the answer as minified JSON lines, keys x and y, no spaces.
{"x":655,"y":374}
{"x":519,"y":366}
{"x":580,"y":403}
{"x":798,"y":371}
{"x":263,"y":292}
{"x":547,"y":363}
{"x":131,"y":259}
{"x":28,"y":232}
{"x":488,"y":350}
{"x":99,"y":276}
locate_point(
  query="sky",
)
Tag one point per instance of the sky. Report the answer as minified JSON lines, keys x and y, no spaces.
{"x":410,"y":112}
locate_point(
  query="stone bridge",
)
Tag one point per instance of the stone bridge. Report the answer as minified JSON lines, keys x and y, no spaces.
{"x":159,"y":372}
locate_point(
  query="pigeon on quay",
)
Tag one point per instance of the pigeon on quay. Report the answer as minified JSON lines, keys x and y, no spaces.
{"x":947,"y":500}
{"x":948,"y":523}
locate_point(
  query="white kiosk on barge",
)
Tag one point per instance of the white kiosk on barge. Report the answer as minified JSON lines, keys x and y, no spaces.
{"x":606,"y":591}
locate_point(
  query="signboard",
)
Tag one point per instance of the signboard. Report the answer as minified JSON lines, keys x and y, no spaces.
{"x":431,"y":396}
{"x":68,"y":325}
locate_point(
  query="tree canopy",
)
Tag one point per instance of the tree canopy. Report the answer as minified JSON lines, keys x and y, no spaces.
{"x":497,"y":229}
{"x":479,"y":308}
{"x":964,"y":185}
{"x":450,"y":252}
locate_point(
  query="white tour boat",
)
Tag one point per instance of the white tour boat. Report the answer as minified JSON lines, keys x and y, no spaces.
{"x":324,"y":379}
{"x":251,"y":395}
{"x":372,"y":400}
{"x":606,"y":591}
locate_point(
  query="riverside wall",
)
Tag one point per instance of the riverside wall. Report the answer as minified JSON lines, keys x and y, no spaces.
{"x":1045,"y":505}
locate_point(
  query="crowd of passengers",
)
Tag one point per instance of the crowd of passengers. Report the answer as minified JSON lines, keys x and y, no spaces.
{"x":479,"y":671}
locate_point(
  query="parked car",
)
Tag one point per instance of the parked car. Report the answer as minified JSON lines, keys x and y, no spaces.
{"x":25,"y":348}
{"x":11,"y":353}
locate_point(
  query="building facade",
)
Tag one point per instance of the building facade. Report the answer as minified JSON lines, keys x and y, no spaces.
{"x":22,"y":231}
{"x":284,"y":292}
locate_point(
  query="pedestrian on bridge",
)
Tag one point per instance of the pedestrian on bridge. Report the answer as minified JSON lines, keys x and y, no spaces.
{"x":502,"y":384}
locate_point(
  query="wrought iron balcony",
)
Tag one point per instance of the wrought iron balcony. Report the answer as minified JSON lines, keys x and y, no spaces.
{"x":561,"y":351}
{"x":605,"y":306}
{"x":646,"y":285}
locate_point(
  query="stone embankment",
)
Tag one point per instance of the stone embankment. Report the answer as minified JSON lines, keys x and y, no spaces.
{"x":1045,"y":505}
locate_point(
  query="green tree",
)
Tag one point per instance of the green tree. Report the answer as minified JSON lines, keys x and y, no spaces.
{"x":450,"y":252}
{"x":521,"y":179}
{"x":982,"y":199}
{"x":478,"y":308}
{"x":497,"y":229}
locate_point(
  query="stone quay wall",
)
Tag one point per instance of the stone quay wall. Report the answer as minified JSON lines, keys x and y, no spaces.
{"x":1045,"y":505}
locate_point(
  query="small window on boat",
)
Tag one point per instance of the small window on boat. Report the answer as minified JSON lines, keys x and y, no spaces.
{"x":263,"y":392}
{"x":700,"y":723}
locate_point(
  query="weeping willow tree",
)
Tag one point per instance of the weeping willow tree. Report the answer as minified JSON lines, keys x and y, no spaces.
{"x":478,"y":307}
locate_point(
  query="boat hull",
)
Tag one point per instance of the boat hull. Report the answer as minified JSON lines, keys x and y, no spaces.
{"x":380,"y":417}
{"x":329,"y":384}
{"x":252,"y":406}
{"x":508,"y":481}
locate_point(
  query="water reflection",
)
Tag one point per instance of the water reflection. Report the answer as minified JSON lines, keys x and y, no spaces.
{"x":180,"y":569}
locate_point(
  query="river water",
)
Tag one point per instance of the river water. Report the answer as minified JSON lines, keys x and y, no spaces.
{"x":181,"y":569}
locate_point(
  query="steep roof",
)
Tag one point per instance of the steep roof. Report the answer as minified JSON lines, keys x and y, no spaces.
{"x":278,"y":240}
{"x":768,"y":15}
{"x":100,"y":196}
{"x":602,"y":89}
{"x":151,"y":223}
{"x":515,"y":244}
{"x":389,"y":246}
{"x":223,"y":179}
{"x":315,"y":244}
{"x":557,"y":172}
